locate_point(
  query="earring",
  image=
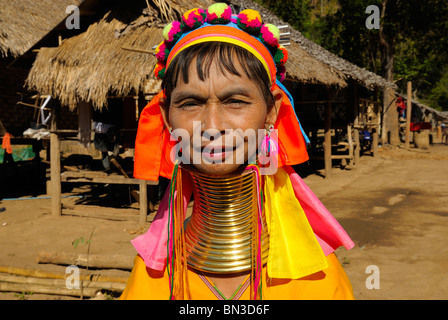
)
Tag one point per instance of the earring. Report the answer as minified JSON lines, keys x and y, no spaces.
{"x":269,"y":145}
{"x":170,"y":130}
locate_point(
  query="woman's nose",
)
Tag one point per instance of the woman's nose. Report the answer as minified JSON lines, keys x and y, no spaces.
{"x":213,"y":119}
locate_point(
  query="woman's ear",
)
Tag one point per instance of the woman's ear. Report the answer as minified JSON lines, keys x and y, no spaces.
{"x":271,"y":116}
{"x":164,"y":110}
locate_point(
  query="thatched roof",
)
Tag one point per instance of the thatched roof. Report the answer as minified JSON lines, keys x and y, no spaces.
{"x":349,"y":70}
{"x":24,"y":22}
{"x":304,"y":68}
{"x":93,"y":65}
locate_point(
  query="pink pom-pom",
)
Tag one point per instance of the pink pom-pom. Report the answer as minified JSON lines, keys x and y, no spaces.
{"x":172,"y":33}
{"x":281,"y":73}
{"x":269,"y":35}
{"x":162,"y":52}
{"x":193,"y":19}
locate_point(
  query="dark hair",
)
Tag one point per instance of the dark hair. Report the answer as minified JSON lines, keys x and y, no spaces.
{"x":225,"y":53}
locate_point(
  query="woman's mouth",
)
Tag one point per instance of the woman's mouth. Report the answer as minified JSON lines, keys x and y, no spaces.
{"x":216,"y":153}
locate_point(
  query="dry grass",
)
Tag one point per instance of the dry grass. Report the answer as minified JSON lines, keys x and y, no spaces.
{"x":94,"y":65}
{"x":24,"y":22}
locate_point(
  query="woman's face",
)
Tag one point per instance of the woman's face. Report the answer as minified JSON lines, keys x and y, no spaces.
{"x":215,"y":110}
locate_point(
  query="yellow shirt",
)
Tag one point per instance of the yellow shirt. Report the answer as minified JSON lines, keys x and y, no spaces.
{"x":328,"y":284}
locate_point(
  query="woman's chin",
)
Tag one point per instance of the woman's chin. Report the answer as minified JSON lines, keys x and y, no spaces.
{"x":217,"y":168}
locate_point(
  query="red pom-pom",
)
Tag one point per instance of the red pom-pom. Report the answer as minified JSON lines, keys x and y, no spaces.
{"x":159,"y":70}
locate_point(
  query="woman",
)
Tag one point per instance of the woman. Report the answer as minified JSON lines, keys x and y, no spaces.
{"x":256,"y":230}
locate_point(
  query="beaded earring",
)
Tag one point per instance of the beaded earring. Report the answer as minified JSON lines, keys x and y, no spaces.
{"x":269,"y":145}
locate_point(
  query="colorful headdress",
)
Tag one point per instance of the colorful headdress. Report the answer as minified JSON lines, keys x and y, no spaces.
{"x":217,"y":23}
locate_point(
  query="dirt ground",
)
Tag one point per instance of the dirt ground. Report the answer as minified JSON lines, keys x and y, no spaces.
{"x":394,"y":207}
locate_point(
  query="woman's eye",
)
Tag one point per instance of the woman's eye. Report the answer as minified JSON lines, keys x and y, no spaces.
{"x":236,"y":102}
{"x":188,"y":104}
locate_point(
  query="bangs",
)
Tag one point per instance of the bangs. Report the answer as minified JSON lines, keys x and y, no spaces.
{"x":227,"y":57}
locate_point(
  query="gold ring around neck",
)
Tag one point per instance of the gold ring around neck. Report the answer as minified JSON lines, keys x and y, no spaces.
{"x":220,"y":233}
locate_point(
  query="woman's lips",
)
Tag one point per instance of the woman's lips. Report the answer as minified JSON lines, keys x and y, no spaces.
{"x":216,"y":153}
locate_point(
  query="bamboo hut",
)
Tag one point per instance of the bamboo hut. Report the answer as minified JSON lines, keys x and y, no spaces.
{"x":22,"y":25}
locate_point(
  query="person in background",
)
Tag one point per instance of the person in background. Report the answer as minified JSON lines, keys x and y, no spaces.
{"x":401,"y":108}
{"x":107,"y":141}
{"x":6,"y":144}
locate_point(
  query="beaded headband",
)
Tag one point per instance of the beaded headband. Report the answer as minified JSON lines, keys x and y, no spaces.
{"x":218,"y":24}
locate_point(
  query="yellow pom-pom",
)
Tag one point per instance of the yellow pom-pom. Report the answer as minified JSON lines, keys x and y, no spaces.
{"x":219,"y":13}
{"x":250,"y":21}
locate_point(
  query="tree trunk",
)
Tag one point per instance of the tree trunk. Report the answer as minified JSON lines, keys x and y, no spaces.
{"x":390,"y":133}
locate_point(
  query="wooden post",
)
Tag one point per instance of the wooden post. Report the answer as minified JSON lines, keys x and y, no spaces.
{"x":327,"y":142}
{"x":137,"y":112}
{"x":408,"y":114}
{"x":55,"y":166}
{"x":143,"y":198}
{"x":375,"y":142}
{"x":357,"y":145}
{"x":350,"y":143}
{"x":375,"y":136}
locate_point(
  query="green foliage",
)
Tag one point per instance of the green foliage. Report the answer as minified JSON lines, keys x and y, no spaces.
{"x":81,"y":241}
{"x":415,"y":31}
{"x":412,"y":64}
{"x":439,"y":94}
{"x":295,"y":12}
{"x":345,"y":34}
{"x":22,"y":295}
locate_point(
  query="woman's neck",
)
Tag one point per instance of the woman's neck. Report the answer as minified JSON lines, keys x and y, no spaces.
{"x":222,"y":233}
